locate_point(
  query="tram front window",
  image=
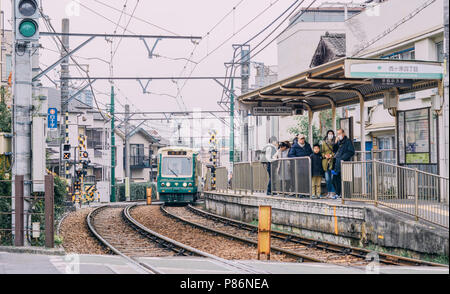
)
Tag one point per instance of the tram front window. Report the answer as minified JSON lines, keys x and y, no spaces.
{"x":176,"y":167}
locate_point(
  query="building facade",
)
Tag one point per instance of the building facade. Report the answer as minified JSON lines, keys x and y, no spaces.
{"x":418,"y":35}
{"x":143,"y":161}
{"x":297,"y":47}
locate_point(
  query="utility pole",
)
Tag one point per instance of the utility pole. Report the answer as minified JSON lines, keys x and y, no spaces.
{"x":245,"y":75}
{"x":232,"y":124}
{"x":64,"y":84}
{"x":127,"y":153}
{"x":26,"y":38}
{"x":113,"y":150}
{"x":446,"y":89}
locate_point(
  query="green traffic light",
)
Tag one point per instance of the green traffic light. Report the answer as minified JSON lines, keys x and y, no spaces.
{"x":28,"y":28}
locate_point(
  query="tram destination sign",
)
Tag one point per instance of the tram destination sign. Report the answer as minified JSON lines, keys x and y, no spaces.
{"x":272,"y":111}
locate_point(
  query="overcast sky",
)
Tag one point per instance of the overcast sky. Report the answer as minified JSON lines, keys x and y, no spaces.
{"x":193,"y":17}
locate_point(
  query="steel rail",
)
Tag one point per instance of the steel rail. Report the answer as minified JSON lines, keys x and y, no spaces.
{"x":184,"y":248}
{"x":299,"y":256}
{"x":89,"y":218}
{"x":324,"y":245}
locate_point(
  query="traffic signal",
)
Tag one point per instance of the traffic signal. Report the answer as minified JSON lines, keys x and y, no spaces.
{"x":66,"y":156}
{"x":26,"y":20}
{"x":66,"y":147}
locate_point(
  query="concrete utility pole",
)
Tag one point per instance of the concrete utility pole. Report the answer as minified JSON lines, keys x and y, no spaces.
{"x":127,"y":152}
{"x":64,"y":84}
{"x":245,"y":75}
{"x":22,"y":119}
{"x":113,"y":150}
{"x":232,"y":125}
{"x":446,"y":89}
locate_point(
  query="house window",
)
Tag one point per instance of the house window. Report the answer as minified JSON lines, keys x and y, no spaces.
{"x":407,"y":54}
{"x":136,"y":154}
{"x":94,"y":139}
{"x":440,"y":51}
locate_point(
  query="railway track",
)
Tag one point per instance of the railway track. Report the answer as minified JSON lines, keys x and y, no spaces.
{"x":117,"y":230}
{"x":307,"y":249}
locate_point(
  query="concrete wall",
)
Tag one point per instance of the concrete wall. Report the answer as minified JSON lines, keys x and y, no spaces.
{"x":347,"y":224}
{"x":367,"y":25}
{"x":297,"y":45}
{"x":421,"y":33}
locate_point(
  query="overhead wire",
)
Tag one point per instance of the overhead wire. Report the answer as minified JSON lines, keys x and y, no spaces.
{"x":139,"y":19}
{"x":229,"y":38}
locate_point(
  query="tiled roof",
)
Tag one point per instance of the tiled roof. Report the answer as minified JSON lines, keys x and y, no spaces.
{"x":331,"y":47}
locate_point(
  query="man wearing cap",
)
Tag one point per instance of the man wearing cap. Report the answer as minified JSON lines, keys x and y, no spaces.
{"x":300,"y":148}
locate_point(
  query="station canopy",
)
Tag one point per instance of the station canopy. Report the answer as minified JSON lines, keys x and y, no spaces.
{"x":344,"y":82}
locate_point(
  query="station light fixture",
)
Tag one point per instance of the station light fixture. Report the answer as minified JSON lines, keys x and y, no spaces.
{"x":26,"y":20}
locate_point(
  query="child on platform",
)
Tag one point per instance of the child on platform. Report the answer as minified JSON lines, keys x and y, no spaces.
{"x":316,"y":171}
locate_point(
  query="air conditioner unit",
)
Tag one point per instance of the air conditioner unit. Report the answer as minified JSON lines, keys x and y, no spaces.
{"x":390,"y":99}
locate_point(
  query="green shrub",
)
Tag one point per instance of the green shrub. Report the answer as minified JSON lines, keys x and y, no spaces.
{"x":138,"y":191}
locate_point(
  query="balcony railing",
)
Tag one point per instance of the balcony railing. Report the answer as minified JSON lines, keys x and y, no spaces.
{"x":138,"y":162}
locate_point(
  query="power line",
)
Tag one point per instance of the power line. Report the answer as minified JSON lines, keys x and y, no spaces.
{"x":104,"y":17}
{"x":137,"y":18}
{"x":128,"y":24}
{"x":223,"y":43}
{"x":395,"y":26}
{"x":48,"y":23}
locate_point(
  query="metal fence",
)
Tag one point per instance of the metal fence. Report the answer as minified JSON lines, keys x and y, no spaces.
{"x":242,"y":180}
{"x":28,"y":224}
{"x":291,"y":176}
{"x":260,"y":177}
{"x":420,"y":194}
{"x":221,"y":179}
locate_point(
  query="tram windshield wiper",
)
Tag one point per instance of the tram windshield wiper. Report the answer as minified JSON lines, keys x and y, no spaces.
{"x":173,"y":172}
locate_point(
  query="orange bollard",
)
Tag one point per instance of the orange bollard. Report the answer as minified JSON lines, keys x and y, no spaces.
{"x":149,"y":196}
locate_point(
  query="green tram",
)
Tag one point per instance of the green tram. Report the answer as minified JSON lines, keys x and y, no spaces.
{"x":179,"y":170}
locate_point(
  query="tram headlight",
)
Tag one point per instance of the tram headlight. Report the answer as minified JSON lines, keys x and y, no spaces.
{"x":168,"y":184}
{"x":185,"y":185}
{"x":162,"y":184}
{"x":190,"y":184}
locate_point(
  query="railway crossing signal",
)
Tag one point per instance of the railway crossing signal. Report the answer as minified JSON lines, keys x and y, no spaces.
{"x":26,"y":20}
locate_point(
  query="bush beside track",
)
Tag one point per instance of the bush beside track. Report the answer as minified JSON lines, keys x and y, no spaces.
{"x":138,"y":191}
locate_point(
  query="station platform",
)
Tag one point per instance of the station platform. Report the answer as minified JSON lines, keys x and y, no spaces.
{"x":16,"y":263}
{"x":353,"y":223}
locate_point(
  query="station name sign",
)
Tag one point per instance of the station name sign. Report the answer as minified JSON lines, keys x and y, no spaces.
{"x":272,"y":111}
{"x":405,"y":83}
{"x":380,"y":69}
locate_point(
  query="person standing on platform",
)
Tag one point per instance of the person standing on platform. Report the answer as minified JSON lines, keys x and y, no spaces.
{"x":270,"y":151}
{"x":316,"y":172}
{"x":328,"y":144}
{"x":344,"y":151}
{"x":283,"y":175}
{"x":300,"y":148}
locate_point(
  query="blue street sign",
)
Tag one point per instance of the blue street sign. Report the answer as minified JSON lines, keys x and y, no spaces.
{"x":52,"y":118}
